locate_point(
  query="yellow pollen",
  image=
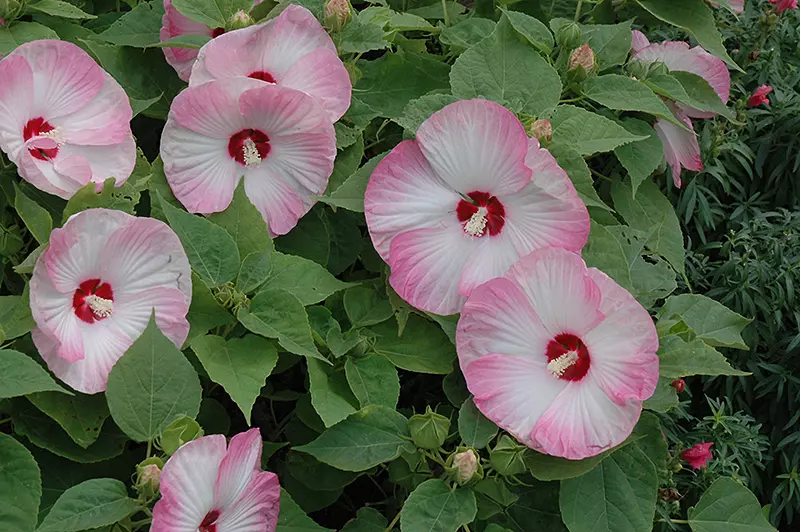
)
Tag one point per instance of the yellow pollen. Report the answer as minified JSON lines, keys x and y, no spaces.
{"x":102,"y":308}
{"x":476,"y":224}
{"x":250,"y":152}
{"x":559,"y":365}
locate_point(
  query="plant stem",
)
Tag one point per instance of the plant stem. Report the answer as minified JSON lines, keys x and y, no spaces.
{"x":149,"y":447}
{"x":394,"y":522}
{"x":447,"y":15}
{"x":6,"y":420}
{"x":578,"y":10}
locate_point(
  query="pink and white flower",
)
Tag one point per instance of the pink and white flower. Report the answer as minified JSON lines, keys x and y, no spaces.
{"x":680,"y":145}
{"x":292,"y":50}
{"x":558,"y":354}
{"x":466,"y":199}
{"x":278,"y":139}
{"x":783,"y":5}
{"x":64,"y":121}
{"x":94,"y":288}
{"x":206,"y":487}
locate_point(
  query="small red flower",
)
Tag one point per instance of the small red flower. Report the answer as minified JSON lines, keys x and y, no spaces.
{"x":679,"y":385}
{"x":784,"y":5}
{"x":760,"y":95}
{"x":698,"y":455}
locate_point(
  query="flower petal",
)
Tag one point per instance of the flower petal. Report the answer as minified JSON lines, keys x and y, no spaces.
{"x":639,"y":41}
{"x":232,"y":54}
{"x":240,"y":465}
{"x":582,"y":421}
{"x":491,"y":258}
{"x":114,"y":160}
{"x":322,"y":74}
{"x":564,"y":296}
{"x":173,"y":24}
{"x":476,"y":145}
{"x":257,"y":509}
{"x":404,"y":193}
{"x":681,"y":148}
{"x":16,"y":99}
{"x":513,"y":392}
{"x":277,"y":201}
{"x":132,"y":313}
{"x":212,"y":109}
{"x":187,"y":485}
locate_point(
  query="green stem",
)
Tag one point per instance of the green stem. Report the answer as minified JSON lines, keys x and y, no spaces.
{"x":6,"y":420}
{"x":149,"y":448}
{"x":578,"y":10}
{"x":394,"y":522}
{"x":447,"y":15}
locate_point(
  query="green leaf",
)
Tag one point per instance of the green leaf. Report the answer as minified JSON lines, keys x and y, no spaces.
{"x":727,"y":506}
{"x":36,"y":217}
{"x":694,"y":17}
{"x":679,"y":358}
{"x":419,"y":110}
{"x":317,"y":476}
{"x":532,"y":29}
{"x":187,"y":40}
{"x":138,"y":27}
{"x":643,"y":157}
{"x":587,"y":132}
{"x":506,"y":69}
{"x":617,"y":496}
{"x":373,"y":380}
{"x":240,"y":365}
{"x":712,"y":322}
{"x":279,"y":314}
{"x":330,"y":393}
{"x":365,"y":306}
{"x":665,"y":397}
{"x":21,"y":375}
{"x":15,"y":315}
{"x":20,"y":486}
{"x":434,"y":507}
{"x":347,"y":162}
{"x":212,"y":252}
{"x":578,"y":171}
{"x":473,"y":427}
{"x":466,"y":33}
{"x":305,"y":279}
{"x":205,"y":313}
{"x":423,"y":348}
{"x":255,"y":269}
{"x":245,"y":224}
{"x":57,"y":8}
{"x":389,"y":83}
{"x":366,"y":520}
{"x":652,"y":213}
{"x":350,"y":195}
{"x":212,"y":13}
{"x":22,"y":32}
{"x":626,"y":94}
{"x":81,"y":416}
{"x":611,"y":43}
{"x":91,"y":504}
{"x":152,"y":385}
{"x":373,"y":435}
{"x":359,"y":37}
{"x":690,"y":90}
{"x":545,"y":467}
{"x":292,"y":518}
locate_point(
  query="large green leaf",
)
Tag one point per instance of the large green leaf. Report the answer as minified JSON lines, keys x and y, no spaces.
{"x":588,"y":132}
{"x":279,"y":314}
{"x":643,"y":157}
{"x":293,"y":519}
{"x":359,"y":37}
{"x":57,"y":8}
{"x":36,"y":218}
{"x":138,"y":27}
{"x":679,"y":358}
{"x":373,"y":380}
{"x":435,"y":507}
{"x":532,"y":29}
{"x":20,"y":486}
{"x":91,"y":504}
{"x":712,"y":322}
{"x":81,"y":416}
{"x":205,"y":313}
{"x":610,"y":43}
{"x":151,"y":386}
{"x":419,"y":110}
{"x":305,"y":279}
{"x":423,"y":347}
{"x":15,"y":315}
{"x":466,"y":33}
{"x":619,"y":495}
{"x":21,"y":375}
{"x":22,"y":32}
{"x":727,"y":506}
{"x":240,"y":365}
{"x":622,"y":93}
{"x":473,"y":427}
{"x":695,"y":17}
{"x":366,"y":306}
{"x":373,"y":435}
{"x":505,"y":68}
{"x":212,"y":13}
{"x":330,"y":393}
{"x":350,"y":195}
{"x":367,"y":520}
{"x":578,"y":171}
{"x":688,"y":89}
{"x":245,"y":224}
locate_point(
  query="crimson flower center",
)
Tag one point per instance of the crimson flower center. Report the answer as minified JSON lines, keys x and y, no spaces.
{"x":567,"y":357}
{"x":216,"y":32}
{"x":39,"y":127}
{"x":93,"y":301}
{"x":483,"y":212}
{"x":249,"y":147}
{"x":208,"y":524}
{"x":263,"y":76}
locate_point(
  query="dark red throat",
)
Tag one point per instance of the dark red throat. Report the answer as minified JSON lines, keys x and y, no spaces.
{"x":495,"y":216}
{"x":561,"y":345}
{"x":86,"y":289}
{"x":237,"y":142}
{"x":208,"y":524}
{"x":263,"y":76}
{"x":34,"y":128}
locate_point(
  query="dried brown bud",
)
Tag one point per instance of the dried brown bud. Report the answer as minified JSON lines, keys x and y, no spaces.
{"x":337,"y":14}
{"x":583,"y":57}
{"x":542,"y":130}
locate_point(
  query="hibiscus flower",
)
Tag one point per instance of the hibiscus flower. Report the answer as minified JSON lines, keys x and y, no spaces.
{"x":292,"y":50}
{"x":759,"y":97}
{"x":681,"y":148}
{"x":279,"y":140}
{"x":558,"y":354}
{"x":94,"y":288}
{"x":466,"y":199}
{"x":207,"y":486}
{"x":64,"y":121}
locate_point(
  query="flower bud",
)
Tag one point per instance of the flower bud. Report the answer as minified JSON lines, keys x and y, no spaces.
{"x":542,"y":130}
{"x":182,"y":430}
{"x":582,"y":57}
{"x":759,"y":97}
{"x":148,"y":477}
{"x":465,"y":465}
{"x":240,"y":19}
{"x":337,"y":14}
{"x":9,"y":9}
{"x":569,"y":36}
{"x":506,"y":457}
{"x":679,"y":385}
{"x":429,"y":430}
{"x":698,"y":455}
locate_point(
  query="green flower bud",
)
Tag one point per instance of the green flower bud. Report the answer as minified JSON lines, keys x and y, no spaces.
{"x":9,"y":9}
{"x":429,"y":430}
{"x":569,"y":36}
{"x":506,"y":457}
{"x":182,"y":430}
{"x":240,"y":19}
